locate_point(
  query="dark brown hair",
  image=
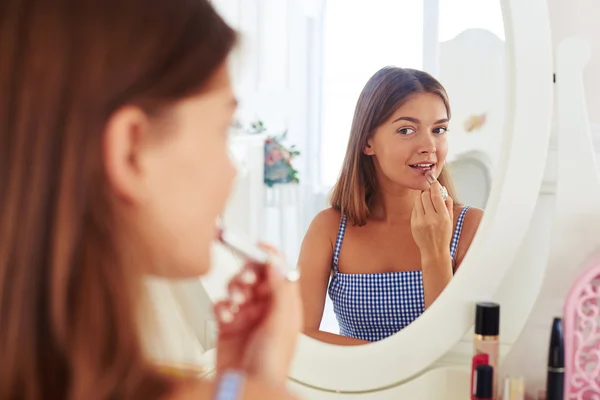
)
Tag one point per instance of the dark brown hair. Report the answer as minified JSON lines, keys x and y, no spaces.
{"x":383,"y":94}
{"x":69,"y":302}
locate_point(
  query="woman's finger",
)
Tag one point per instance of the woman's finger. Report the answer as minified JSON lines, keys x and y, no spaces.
{"x":250,"y":275}
{"x":427,"y":203}
{"x":285,"y":302}
{"x":240,"y":292}
{"x":413,"y":214}
{"x":235,"y":319}
{"x":246,"y":284}
{"x":225,"y":315}
{"x":450,"y":207}
{"x":436,"y":198}
{"x":418,"y":207}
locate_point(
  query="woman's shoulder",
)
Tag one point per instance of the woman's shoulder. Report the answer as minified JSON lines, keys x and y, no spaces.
{"x":251,"y":389}
{"x":473,"y":213}
{"x":471,"y":220}
{"x":470,"y":224}
{"x":328,"y":217}
{"x":323,"y":228}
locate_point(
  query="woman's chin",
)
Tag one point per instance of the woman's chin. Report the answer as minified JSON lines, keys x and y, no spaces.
{"x":420,"y":185}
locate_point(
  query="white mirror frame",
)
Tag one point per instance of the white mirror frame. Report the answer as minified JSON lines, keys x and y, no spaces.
{"x":515,"y":189}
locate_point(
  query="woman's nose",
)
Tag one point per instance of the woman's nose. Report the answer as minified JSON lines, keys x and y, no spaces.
{"x":427,"y":145}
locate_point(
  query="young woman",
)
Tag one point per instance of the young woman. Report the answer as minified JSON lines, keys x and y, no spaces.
{"x":113,"y":118}
{"x":390,"y":243}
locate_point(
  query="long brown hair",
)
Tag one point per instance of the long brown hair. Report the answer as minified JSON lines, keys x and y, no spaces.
{"x":69,"y":301}
{"x":387,"y":90}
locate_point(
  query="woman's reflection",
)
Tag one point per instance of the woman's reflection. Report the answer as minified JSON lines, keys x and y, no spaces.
{"x":389,"y":244}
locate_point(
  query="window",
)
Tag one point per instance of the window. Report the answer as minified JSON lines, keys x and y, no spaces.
{"x":361,"y":37}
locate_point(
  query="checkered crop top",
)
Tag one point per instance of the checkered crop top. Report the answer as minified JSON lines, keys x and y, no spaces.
{"x":374,"y":306}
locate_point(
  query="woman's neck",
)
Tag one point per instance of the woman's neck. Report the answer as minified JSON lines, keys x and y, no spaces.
{"x":393,"y":205}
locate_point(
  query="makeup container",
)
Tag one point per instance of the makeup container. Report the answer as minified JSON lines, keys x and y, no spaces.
{"x":483,"y":385}
{"x":556,"y":363}
{"x":514,"y":388}
{"x":478,"y":359}
{"x":487,"y":335}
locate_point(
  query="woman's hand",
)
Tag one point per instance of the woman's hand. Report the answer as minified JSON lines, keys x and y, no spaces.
{"x":259,"y":323}
{"x":431,"y":222}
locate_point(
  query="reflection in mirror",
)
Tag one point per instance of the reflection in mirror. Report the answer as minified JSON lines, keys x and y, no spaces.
{"x":376,"y":259}
{"x":395,"y":233}
{"x":378,"y":251}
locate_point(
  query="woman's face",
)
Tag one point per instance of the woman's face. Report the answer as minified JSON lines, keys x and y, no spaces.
{"x":411,"y":142}
{"x":172,"y":177}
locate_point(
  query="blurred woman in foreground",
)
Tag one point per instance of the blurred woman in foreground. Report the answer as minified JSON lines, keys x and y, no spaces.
{"x":113,"y":119}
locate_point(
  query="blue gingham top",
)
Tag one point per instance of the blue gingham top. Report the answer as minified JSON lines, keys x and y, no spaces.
{"x":374,"y":306}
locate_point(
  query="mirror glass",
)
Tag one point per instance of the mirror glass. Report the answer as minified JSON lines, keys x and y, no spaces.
{"x":299,"y":72}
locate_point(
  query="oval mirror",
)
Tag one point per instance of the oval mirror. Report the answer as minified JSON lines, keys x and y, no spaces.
{"x":489,"y":76}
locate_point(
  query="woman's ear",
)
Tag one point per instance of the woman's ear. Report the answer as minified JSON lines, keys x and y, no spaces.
{"x":368,"y":150}
{"x":123,"y":135}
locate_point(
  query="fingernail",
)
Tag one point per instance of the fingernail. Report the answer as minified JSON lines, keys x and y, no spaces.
{"x":225,"y":316}
{"x":248,"y":277}
{"x":430,"y":178}
{"x":237,"y":297}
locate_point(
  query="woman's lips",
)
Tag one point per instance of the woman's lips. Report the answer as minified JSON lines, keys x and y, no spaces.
{"x":421,"y":168}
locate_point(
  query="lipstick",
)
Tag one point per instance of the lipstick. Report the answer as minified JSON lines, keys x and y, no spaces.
{"x":556,"y":362}
{"x":432,"y":179}
{"x":243,"y":248}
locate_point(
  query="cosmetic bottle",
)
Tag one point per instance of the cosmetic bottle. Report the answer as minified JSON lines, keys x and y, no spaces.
{"x":478,"y":359}
{"x":484,"y":382}
{"x":556,"y":362}
{"x":487,"y":335}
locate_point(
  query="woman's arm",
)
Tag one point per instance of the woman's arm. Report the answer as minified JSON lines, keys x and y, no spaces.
{"x":437,"y":268}
{"x":437,"y":273}
{"x":314,"y":263}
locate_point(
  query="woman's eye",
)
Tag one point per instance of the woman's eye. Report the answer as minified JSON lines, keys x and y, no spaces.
{"x":441,"y":130}
{"x":405,"y":131}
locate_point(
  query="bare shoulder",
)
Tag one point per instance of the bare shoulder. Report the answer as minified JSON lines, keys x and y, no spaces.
{"x":327,"y":219}
{"x":251,"y":390}
{"x":469,"y":228}
{"x":318,"y":243}
{"x":472,"y":219}
{"x":325,"y":224}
